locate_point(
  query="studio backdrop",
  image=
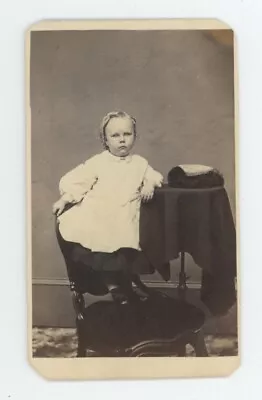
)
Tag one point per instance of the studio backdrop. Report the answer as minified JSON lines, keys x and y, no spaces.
{"x":179,"y":85}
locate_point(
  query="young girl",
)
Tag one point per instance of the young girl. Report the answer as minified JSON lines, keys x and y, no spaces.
{"x":107,"y":191}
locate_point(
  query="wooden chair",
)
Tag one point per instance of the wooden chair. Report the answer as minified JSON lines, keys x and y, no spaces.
{"x":158,"y":326}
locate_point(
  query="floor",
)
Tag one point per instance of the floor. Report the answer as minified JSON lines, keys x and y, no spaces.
{"x":62,"y":343}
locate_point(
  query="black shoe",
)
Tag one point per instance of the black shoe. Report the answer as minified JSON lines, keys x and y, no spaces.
{"x":141,"y":290}
{"x":118,"y":295}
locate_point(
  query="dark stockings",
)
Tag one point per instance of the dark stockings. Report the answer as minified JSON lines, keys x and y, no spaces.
{"x":124,"y":287}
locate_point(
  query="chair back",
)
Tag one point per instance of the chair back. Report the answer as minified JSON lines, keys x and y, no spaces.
{"x":82,"y":278}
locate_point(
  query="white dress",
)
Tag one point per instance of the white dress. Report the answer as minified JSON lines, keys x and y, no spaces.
{"x":107,"y":192}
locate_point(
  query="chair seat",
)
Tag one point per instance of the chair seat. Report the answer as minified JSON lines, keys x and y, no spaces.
{"x":110,"y":329}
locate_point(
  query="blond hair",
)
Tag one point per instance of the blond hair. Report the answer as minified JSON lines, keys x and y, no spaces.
{"x":108,"y":117}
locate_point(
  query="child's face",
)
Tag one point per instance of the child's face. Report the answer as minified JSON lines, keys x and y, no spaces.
{"x":120,"y":136}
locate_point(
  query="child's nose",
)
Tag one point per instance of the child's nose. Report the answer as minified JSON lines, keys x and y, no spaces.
{"x":122,"y":139}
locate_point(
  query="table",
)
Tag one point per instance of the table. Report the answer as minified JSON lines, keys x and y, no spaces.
{"x":198,"y":222}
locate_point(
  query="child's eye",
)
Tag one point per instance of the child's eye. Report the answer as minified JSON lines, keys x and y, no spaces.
{"x":128,"y":134}
{"x":115,"y":135}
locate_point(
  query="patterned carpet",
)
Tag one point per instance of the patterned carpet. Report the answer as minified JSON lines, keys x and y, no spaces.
{"x":62,"y":343}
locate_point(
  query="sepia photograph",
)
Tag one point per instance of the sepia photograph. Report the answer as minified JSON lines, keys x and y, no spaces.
{"x":132,"y":205}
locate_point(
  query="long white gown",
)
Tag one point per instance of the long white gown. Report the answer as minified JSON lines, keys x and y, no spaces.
{"x":107,"y":192}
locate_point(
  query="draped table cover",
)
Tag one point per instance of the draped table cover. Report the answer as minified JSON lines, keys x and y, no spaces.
{"x":198,"y":222}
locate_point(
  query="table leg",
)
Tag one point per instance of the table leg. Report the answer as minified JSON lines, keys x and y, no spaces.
{"x":182,"y":286}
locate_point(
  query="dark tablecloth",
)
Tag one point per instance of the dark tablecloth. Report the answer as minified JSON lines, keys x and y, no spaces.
{"x":198,"y":222}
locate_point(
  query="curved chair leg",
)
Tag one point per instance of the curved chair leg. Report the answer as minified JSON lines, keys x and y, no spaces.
{"x":81,"y":351}
{"x":198,"y":342}
{"x":81,"y":345}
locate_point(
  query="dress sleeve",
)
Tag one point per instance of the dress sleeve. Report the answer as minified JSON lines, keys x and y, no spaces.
{"x":152,"y":178}
{"x":77,"y":182}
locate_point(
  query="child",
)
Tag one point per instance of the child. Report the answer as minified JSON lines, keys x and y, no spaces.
{"x":107,"y":191}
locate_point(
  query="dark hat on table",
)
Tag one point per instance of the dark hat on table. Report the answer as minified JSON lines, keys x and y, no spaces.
{"x":192,"y":176}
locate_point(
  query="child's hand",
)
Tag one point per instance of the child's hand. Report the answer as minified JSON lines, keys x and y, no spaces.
{"x":147,"y":193}
{"x":59,"y":206}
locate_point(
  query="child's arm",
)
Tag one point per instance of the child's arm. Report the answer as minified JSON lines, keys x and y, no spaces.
{"x":75,"y":184}
{"x":152,"y":179}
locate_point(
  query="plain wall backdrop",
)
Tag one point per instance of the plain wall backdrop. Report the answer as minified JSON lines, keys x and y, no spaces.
{"x":178,"y":84}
